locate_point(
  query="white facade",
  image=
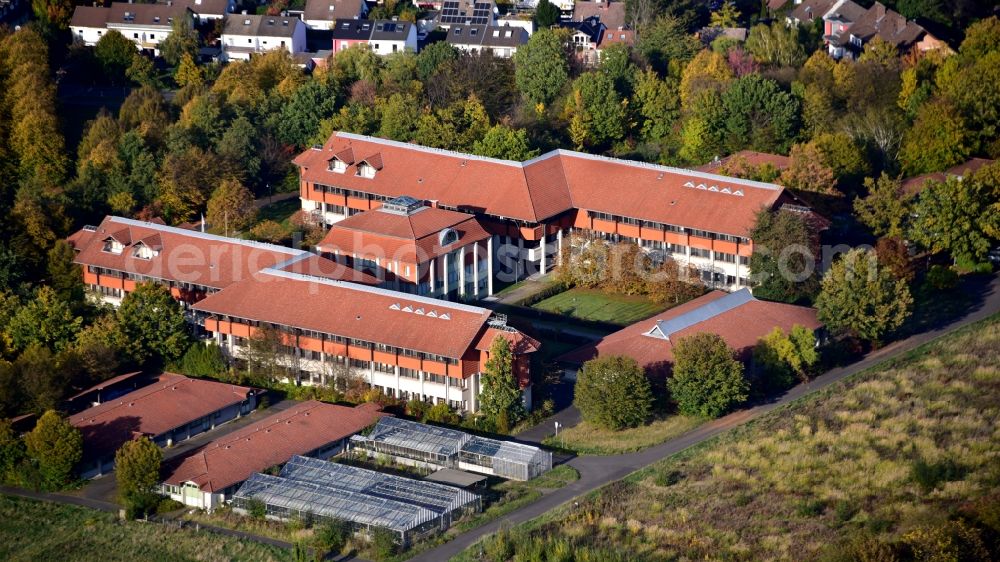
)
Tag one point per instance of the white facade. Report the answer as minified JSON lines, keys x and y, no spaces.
{"x":381,"y":45}
{"x":239,"y":46}
{"x":88,"y":35}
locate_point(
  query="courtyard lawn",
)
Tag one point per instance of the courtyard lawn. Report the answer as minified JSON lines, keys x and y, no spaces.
{"x":592,"y":304}
{"x":585,"y":439}
{"x":35,"y":531}
{"x":280,"y":212}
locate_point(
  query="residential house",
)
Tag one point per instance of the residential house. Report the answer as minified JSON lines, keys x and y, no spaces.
{"x":206,"y":10}
{"x":584,"y":38}
{"x":322,"y":14}
{"x":407,"y":346}
{"x":612,"y":37}
{"x":246,"y":34}
{"x":349,"y":32}
{"x":168,"y":411}
{"x":738,"y":318}
{"x":120,"y":253}
{"x":529,"y":208}
{"x":414,"y":248}
{"x":467,"y":12}
{"x":393,"y":37}
{"x":208,"y":477}
{"x":146,"y":25}
{"x":611,"y":14}
{"x":914,"y":185}
{"x":501,"y":41}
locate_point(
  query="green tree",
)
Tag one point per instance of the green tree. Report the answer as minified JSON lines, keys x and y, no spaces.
{"x":938,"y":140}
{"x":330,"y":536}
{"x":56,"y":447}
{"x":11,"y":451}
{"x":501,"y":141}
{"x":657,"y":104}
{"x":707,"y":380}
{"x":971,"y":81}
{"x":398,"y":116}
{"x":959,"y":216}
{"x":886,"y":209}
{"x":860,"y":297}
{"x":183,"y":40}
{"x":238,"y":146}
{"x":384,"y":543}
{"x":776,"y":44}
{"x":442,"y":413}
{"x":137,"y":467}
{"x":726,"y":16}
{"x":43,"y":378}
{"x":783,"y":260}
{"x":65,"y":276}
{"x":666,"y":41}
{"x":541,"y":68}
{"x":203,"y":360}
{"x":55,"y":13}
{"x":188,"y":73}
{"x":546,"y":14}
{"x":432,"y":58}
{"x":231,"y":207}
{"x":300,"y":115}
{"x":759,"y":115}
{"x":596,"y":97}
{"x":500,"y":398}
{"x":613,"y":392}
{"x":114,"y":53}
{"x":152,"y":324}
{"x":783,"y":356}
{"x":46,"y":320}
{"x":141,"y":71}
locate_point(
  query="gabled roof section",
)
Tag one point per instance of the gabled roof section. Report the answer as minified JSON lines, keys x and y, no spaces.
{"x":375,"y":160}
{"x":153,"y":242}
{"x":346,"y":156}
{"x":121,"y":235}
{"x":663,"y":329}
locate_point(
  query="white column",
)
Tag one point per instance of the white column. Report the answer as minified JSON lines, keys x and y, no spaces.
{"x":475,"y":269}
{"x":445,"y":276}
{"x":399,"y":391}
{"x":461,"y":272}
{"x":559,"y":249}
{"x":520,"y":258}
{"x":541,"y":246}
{"x":432,"y":266}
{"x":489,"y":266}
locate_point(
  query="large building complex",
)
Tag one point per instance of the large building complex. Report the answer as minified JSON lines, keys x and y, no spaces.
{"x":171,"y":409}
{"x":410,"y":347}
{"x":211,"y":474}
{"x":528,"y":208}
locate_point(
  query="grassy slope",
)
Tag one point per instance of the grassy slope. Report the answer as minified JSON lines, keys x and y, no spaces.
{"x":810,"y":474}
{"x":588,"y":440}
{"x":591,"y":304}
{"x":38,"y":531}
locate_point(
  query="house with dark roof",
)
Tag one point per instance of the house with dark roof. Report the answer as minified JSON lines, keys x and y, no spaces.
{"x":466,"y":12}
{"x":245,"y":35}
{"x":146,"y":25}
{"x":501,"y":41}
{"x":584,"y":38}
{"x":393,"y":36}
{"x":610,"y":13}
{"x":168,"y":411}
{"x":323,"y":14}
{"x":738,"y":318}
{"x":208,"y":476}
{"x":205,"y":10}
{"x":349,"y":32}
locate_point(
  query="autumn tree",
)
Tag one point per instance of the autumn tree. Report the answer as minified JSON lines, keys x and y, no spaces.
{"x":186,"y":181}
{"x":500,"y":397}
{"x":231,"y":207}
{"x":541,"y":68}
{"x":783,"y":357}
{"x":726,"y":16}
{"x":627,"y":269}
{"x":783,"y":261}
{"x":152,"y":324}
{"x":707,"y":380}
{"x":860,"y":297}
{"x":189,"y":74}
{"x":893,"y":253}
{"x":807,"y":172}
{"x":777,"y":44}
{"x":182,"y":40}
{"x":938,"y":140}
{"x":584,"y":262}
{"x":613,"y":393}
{"x":886,"y":209}
{"x":56,"y":446}
{"x":708,"y":70}
{"x":506,"y":143}
{"x":672,"y":283}
{"x":55,"y":13}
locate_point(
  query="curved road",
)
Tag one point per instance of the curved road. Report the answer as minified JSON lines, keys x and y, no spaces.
{"x":597,"y":471}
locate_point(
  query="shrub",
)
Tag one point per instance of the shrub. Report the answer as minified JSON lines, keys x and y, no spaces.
{"x":331,"y":536}
{"x":667,"y":478}
{"x":384,"y":544}
{"x":707,"y":380}
{"x":203,"y":360}
{"x":257,"y":509}
{"x":613,"y":392}
{"x":929,"y":475}
{"x":442,"y":413}
{"x":942,"y":278}
{"x":499,"y":547}
{"x":166,"y":505}
{"x":810,"y":508}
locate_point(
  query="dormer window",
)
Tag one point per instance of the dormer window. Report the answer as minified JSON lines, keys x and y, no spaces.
{"x":337,"y":165}
{"x":144,"y":252}
{"x":113,"y":246}
{"x":366,"y":170}
{"x":447,"y":236}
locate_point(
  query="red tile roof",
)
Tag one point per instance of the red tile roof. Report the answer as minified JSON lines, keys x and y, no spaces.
{"x":519,"y":343}
{"x":188,"y":256}
{"x":549,"y":185}
{"x":412,"y":238}
{"x":170,"y":402}
{"x":741,"y":326}
{"x":752,"y":158}
{"x":273,"y":440}
{"x":105,"y":384}
{"x":318,"y":266}
{"x":916,"y":184}
{"x":354,"y":311}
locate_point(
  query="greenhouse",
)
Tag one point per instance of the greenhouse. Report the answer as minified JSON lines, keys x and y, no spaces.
{"x":367,"y":499}
{"x":418,"y":443}
{"x":506,"y":459}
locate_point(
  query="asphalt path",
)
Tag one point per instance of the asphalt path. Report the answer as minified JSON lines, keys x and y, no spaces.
{"x":596,"y":471}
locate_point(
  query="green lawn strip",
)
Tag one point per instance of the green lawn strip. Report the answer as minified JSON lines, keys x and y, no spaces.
{"x":695,"y":497}
{"x":279,"y":212}
{"x":585,"y":439}
{"x":33,"y":531}
{"x":589,"y":304}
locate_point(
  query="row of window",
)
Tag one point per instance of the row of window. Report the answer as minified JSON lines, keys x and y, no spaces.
{"x":666,"y":227}
{"x":349,"y":192}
